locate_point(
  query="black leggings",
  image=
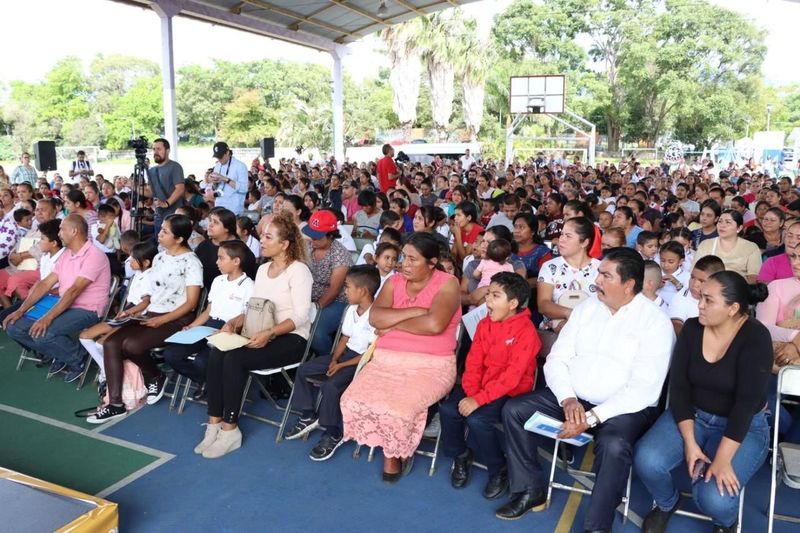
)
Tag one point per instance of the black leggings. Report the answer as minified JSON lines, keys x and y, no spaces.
{"x":227,"y":372}
{"x":133,"y":341}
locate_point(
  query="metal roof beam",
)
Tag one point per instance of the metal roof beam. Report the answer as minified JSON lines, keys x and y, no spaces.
{"x":362,"y":12}
{"x":300,"y":18}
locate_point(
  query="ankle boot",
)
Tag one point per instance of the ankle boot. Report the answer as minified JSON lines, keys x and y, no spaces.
{"x":227,"y":441}
{"x":211,"y":435}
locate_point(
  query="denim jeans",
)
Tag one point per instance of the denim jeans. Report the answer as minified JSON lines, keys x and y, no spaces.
{"x":661,"y":451}
{"x":329,"y":318}
{"x":60,"y":341}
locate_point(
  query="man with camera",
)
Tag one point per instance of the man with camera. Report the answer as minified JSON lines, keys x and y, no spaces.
{"x":228,"y":180}
{"x":81,"y":166}
{"x":166,"y":183}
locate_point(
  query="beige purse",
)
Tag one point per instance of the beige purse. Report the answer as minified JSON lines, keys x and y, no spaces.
{"x":569,"y":299}
{"x":260,"y":315}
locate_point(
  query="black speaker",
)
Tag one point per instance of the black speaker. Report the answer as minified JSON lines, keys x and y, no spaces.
{"x":268,"y":147}
{"x":45,"y":154}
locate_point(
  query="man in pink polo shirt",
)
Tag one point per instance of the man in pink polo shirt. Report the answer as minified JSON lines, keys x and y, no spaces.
{"x":83,"y":277}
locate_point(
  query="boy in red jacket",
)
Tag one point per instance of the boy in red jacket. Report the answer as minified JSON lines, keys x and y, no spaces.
{"x":500,"y":364}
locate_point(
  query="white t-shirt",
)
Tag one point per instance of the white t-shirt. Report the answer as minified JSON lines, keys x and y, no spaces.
{"x":383,"y":281}
{"x":47,"y":262}
{"x":141,"y":286}
{"x":467,"y":162}
{"x":668,"y":291}
{"x":254,"y":245}
{"x":228,"y":299}
{"x":357,"y":328}
{"x":171,"y":275}
{"x":368,"y":248}
{"x":684,"y":306}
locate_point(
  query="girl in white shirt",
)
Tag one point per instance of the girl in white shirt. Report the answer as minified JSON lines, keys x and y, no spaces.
{"x":136,"y":303}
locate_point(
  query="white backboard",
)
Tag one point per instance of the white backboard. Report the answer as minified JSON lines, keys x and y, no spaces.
{"x":537,"y":94}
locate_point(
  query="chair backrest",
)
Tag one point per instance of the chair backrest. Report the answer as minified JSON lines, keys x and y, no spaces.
{"x":789,"y":380}
{"x":202,"y":302}
{"x":112,"y":292}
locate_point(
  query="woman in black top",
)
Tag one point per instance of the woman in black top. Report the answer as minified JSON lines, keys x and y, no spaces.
{"x":717,"y":423}
{"x":221,"y":228}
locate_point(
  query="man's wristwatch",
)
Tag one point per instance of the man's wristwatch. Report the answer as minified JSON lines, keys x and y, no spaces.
{"x":591,"y":419}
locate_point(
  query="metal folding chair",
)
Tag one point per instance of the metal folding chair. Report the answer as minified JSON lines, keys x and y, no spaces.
{"x":788,"y":385}
{"x":283,"y":371}
{"x":112,"y":293}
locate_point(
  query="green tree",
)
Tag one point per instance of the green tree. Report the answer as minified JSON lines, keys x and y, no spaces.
{"x":137,"y":112}
{"x":247,"y":119}
{"x":64,"y":95}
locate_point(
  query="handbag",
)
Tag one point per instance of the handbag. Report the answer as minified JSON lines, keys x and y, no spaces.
{"x":570,"y":300}
{"x":259,"y":315}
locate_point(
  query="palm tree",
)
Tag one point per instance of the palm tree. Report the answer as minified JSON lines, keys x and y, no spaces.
{"x":442,"y":32}
{"x":472,"y":64}
{"x":402,"y":41}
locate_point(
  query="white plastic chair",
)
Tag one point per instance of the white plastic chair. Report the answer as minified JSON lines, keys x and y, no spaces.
{"x":788,"y":385}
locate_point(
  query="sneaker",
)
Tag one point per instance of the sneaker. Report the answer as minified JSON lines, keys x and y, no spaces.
{"x":106,"y":413}
{"x":156,"y":388}
{"x":303,"y":427}
{"x":55,"y":367}
{"x":432,"y":431}
{"x":73,"y":373}
{"x":226,"y":442}
{"x":325,"y":448}
{"x":212,"y":430}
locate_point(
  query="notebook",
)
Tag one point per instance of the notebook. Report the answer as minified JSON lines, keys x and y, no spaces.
{"x":41,"y":307}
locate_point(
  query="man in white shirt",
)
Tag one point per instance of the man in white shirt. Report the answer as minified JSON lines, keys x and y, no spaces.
{"x":467,"y":160}
{"x":604,"y":373}
{"x":81,"y":166}
{"x":229,"y":179}
{"x":685,"y":304}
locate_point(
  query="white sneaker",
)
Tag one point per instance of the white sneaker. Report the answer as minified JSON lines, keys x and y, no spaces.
{"x":432,"y":431}
{"x":211,"y":435}
{"x":226,"y":442}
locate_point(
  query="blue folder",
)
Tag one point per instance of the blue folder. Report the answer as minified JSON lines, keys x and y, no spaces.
{"x":41,"y":307}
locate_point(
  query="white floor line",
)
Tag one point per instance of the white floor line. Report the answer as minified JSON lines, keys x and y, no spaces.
{"x":131,"y":478}
{"x":589,"y":484}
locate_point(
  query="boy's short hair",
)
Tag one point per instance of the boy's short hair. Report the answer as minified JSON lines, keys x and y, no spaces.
{"x":129,"y":238}
{"x":382,"y":247}
{"x":392,"y":234}
{"x":645,"y":236}
{"x":50,"y":229}
{"x":710,"y":264}
{"x":236,"y":249}
{"x":144,"y":251}
{"x":366,"y":276}
{"x":389,"y":217}
{"x":652,"y":270}
{"x":367,"y":198}
{"x":514,"y":286}
{"x":106,"y":209}
{"x":675,"y":247}
{"x":20,"y":214}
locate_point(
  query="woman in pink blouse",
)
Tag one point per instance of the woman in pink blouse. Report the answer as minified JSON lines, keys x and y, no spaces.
{"x":414,"y":366}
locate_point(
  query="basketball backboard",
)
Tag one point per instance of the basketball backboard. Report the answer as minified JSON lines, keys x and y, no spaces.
{"x":537,"y":94}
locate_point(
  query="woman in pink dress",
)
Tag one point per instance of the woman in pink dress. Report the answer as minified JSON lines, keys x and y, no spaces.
{"x":414,"y":366}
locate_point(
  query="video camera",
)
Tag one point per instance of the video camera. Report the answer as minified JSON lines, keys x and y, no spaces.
{"x":139,"y":146}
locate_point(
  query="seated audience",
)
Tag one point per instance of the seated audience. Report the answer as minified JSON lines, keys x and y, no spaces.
{"x":716,"y":426}
{"x":221,"y":228}
{"x":685,"y":304}
{"x":778,"y":266}
{"x":738,"y":254}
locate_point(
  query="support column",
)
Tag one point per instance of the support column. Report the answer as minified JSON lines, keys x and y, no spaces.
{"x":167,"y":10}
{"x":338,"y":108}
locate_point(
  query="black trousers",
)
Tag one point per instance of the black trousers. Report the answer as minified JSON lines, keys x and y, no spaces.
{"x":613,"y":447}
{"x":227,"y":371}
{"x":177,"y":356}
{"x":483,"y":435}
{"x":330,"y":415}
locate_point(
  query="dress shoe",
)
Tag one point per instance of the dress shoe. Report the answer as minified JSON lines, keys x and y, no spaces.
{"x":405,"y":468}
{"x":656,"y":520}
{"x":521,"y":503}
{"x":462,"y":465}
{"x":199,"y":393}
{"x":496,"y":486}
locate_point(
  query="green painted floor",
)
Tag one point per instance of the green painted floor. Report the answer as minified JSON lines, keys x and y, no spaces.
{"x":65,"y":457}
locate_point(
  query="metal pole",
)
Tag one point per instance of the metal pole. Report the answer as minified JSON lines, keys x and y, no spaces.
{"x":166,"y":11}
{"x":338,"y":109}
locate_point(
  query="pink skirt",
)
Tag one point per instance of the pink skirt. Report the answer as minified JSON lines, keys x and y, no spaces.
{"x":387,"y":403}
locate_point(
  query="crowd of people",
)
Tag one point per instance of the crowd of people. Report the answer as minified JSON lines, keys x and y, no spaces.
{"x":605,"y":295}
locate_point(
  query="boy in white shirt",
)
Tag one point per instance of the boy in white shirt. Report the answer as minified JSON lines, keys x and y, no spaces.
{"x":361,"y":286}
{"x":685,"y":304}
{"x":652,"y":281}
{"x":227,"y":299}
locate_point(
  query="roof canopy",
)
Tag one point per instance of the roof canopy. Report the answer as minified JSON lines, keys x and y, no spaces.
{"x":319,"y":24}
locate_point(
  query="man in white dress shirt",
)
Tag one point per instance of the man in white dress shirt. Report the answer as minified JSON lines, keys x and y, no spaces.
{"x":229,"y":180}
{"x":604,"y":375}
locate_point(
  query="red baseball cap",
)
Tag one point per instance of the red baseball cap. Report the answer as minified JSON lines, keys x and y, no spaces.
{"x":320,"y":224}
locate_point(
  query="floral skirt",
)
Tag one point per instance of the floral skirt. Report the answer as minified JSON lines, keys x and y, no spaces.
{"x":387,"y":403}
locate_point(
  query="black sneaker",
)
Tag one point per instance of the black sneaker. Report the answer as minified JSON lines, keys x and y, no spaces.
{"x":199,"y":393}
{"x":325,"y":447}
{"x":156,"y":388}
{"x":303,"y":427}
{"x":55,"y":367}
{"x":106,"y":413}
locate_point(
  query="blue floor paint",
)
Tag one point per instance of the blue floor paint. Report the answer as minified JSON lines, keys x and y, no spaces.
{"x":275,"y":487}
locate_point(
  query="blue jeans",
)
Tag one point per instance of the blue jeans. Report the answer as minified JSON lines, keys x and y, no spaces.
{"x":661,"y":451}
{"x":329,"y":318}
{"x":60,"y":340}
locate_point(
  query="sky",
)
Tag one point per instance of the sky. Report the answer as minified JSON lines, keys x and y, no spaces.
{"x":43,"y":31}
